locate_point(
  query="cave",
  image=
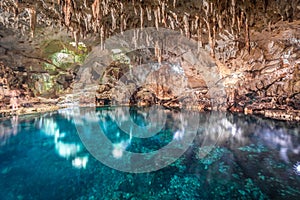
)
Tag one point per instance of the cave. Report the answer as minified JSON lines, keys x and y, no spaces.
{"x":140,"y":99}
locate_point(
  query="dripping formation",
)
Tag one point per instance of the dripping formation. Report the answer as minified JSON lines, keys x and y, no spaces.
{"x":107,"y":17}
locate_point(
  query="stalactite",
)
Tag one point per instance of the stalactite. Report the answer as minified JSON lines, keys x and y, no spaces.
{"x":76,"y":37}
{"x":113,"y":18}
{"x":174,"y":3}
{"x":135,"y":38}
{"x":105,"y":7}
{"x":207,"y":9}
{"x":156,"y":19}
{"x":74,"y":5}
{"x":214,"y":35}
{"x":240,"y":20}
{"x":199,"y":35}
{"x":176,"y":23}
{"x":149,"y":16}
{"x":122,"y":23}
{"x":233,"y":13}
{"x":186,"y":26}
{"x":142,"y":17}
{"x":209,"y":36}
{"x":269,"y":26}
{"x":158,"y":14}
{"x":121,"y":7}
{"x":247,"y":34}
{"x":78,"y":17}
{"x":163,"y":12}
{"x":87,"y":19}
{"x":158,"y":53}
{"x":147,"y":39}
{"x":125,"y":23}
{"x":32,"y":15}
{"x":96,"y":9}
{"x":171,"y":22}
{"x":102,"y":37}
{"x":95,"y":24}
{"x":67,"y":12}
{"x":135,"y":11}
{"x":196,"y":23}
{"x":219,"y":19}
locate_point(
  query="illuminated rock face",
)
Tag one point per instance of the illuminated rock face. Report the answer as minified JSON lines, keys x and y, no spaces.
{"x":255,"y":44}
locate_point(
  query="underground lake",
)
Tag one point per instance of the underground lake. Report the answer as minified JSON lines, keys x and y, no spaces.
{"x":83,"y":153}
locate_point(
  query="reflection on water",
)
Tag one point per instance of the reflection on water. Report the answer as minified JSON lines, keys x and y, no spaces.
{"x":231,"y":157}
{"x":297,"y":168}
{"x":8,"y":129}
{"x":63,"y":147}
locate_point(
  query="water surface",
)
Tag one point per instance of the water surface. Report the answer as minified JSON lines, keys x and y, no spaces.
{"x":231,"y":157}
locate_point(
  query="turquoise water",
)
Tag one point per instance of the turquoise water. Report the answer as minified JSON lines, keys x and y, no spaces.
{"x":230,"y":157}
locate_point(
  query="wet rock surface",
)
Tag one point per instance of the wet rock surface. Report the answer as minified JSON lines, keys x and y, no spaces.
{"x":265,"y":80}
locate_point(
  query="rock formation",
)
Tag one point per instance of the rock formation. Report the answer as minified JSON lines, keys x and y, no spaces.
{"x":255,"y":45}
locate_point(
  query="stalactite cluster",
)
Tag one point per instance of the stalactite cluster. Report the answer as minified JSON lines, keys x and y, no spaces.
{"x":202,"y":20}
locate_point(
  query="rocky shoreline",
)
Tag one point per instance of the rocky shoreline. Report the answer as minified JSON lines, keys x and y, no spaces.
{"x":283,"y":115}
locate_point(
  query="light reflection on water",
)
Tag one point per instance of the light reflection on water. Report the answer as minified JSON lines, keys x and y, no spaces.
{"x":231,"y":157}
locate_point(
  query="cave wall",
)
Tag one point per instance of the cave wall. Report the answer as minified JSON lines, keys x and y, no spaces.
{"x":254,"y":43}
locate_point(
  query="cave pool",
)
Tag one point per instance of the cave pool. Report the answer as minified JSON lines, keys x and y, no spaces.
{"x":230,"y":156}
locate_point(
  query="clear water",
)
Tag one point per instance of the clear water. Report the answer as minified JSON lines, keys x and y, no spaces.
{"x":231,"y":157}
